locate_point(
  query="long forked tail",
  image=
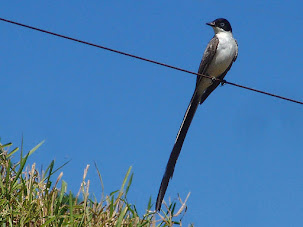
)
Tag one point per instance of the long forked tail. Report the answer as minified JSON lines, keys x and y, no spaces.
{"x":189,"y":114}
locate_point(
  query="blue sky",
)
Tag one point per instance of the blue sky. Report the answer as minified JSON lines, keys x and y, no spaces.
{"x":242,"y":158}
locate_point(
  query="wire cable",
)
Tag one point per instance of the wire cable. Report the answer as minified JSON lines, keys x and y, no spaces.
{"x":149,"y":60}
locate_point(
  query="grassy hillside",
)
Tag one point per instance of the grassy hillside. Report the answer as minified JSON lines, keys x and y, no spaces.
{"x":32,"y":198}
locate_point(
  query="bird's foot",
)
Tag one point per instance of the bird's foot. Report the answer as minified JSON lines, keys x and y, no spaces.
{"x":223,"y":82}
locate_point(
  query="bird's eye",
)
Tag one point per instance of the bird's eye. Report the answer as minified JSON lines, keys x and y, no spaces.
{"x":222,"y":24}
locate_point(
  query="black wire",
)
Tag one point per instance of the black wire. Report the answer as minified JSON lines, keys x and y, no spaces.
{"x":148,"y":60}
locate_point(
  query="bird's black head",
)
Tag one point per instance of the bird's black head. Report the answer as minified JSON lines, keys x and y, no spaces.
{"x":221,"y":23}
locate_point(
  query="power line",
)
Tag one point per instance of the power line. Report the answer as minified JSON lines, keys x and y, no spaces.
{"x":147,"y":60}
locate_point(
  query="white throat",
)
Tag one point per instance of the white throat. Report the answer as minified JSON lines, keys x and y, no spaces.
{"x":224,"y":36}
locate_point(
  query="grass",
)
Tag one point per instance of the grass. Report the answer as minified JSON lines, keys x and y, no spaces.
{"x":31,"y":198}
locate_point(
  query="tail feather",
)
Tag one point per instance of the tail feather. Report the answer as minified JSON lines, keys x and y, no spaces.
{"x":189,"y":114}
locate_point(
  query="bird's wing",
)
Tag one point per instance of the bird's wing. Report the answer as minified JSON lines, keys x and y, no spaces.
{"x":208,"y":56}
{"x":187,"y":119}
{"x":215,"y":84}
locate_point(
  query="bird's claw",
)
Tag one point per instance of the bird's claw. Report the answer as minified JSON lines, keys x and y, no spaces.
{"x":223,"y":82}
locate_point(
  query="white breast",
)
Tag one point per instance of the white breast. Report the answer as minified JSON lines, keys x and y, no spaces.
{"x":225,"y":53}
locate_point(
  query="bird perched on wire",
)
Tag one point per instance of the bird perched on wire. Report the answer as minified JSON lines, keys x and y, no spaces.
{"x":218,"y":57}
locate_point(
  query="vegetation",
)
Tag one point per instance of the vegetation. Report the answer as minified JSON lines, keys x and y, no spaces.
{"x":29,"y":198}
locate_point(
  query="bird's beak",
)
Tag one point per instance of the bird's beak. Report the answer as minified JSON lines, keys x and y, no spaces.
{"x":212,"y":24}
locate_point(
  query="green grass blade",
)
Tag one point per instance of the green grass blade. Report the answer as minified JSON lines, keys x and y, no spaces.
{"x":101,"y":181}
{"x":6,"y":145}
{"x":22,"y":164}
{"x":71,"y":209}
{"x":12,"y":152}
{"x":124,"y":182}
{"x":35,"y":148}
{"x":129,"y":183}
{"x":121,"y":216}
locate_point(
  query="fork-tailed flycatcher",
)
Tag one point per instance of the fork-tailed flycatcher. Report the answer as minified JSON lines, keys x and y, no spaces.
{"x":218,"y":57}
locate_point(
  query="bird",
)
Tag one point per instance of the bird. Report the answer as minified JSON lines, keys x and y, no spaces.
{"x":219,"y":55}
